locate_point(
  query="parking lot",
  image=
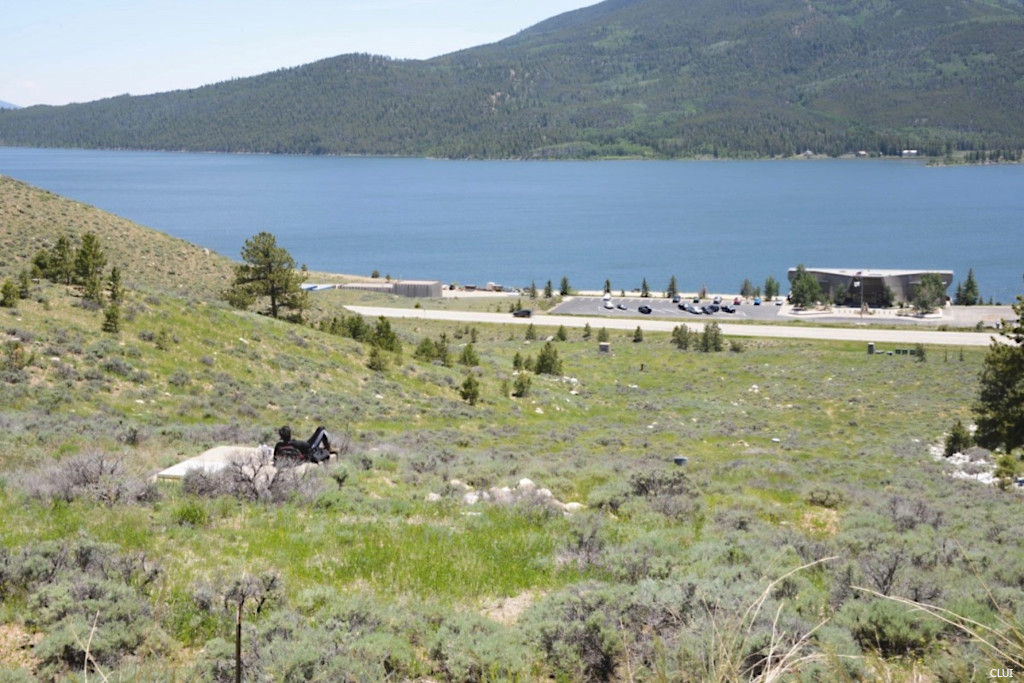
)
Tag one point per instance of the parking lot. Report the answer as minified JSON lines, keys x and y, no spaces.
{"x":664,"y":308}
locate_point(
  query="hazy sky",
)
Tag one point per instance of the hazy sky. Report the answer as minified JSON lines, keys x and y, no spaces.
{"x":61,"y":51}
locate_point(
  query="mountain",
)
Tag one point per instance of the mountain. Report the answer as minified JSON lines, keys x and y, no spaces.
{"x":653,"y":78}
{"x":8,"y":105}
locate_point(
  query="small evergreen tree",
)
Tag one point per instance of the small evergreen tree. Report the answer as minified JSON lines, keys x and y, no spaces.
{"x":533,"y":290}
{"x":24,"y":284}
{"x":958,"y":440}
{"x":587,"y":331}
{"x":602,"y":335}
{"x":531,"y":332}
{"x":114,"y":287}
{"x":607,"y":286}
{"x":638,"y":335}
{"x":112,"y":319}
{"x":377,"y":360}
{"x":562,"y":334}
{"x":89,"y":264}
{"x":673,"y":287}
{"x":771,"y":288}
{"x":548,"y":362}
{"x":470,"y":390}
{"x":681,"y":337}
{"x":746,"y":289}
{"x":548,"y":290}
{"x":469,"y":357}
{"x":563,"y":287}
{"x":517,"y":361}
{"x":968,"y":294}
{"x":645,"y":290}
{"x":9,"y":294}
{"x":711,"y":338}
{"x":521,"y":385}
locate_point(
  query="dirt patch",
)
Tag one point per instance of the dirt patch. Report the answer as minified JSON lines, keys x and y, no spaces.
{"x":822,"y":521}
{"x":507,"y":610}
{"x":16,"y":647}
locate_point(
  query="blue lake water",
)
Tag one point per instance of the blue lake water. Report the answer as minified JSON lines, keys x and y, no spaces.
{"x":707,"y":223}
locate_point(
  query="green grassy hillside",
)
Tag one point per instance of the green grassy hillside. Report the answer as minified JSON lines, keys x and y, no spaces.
{"x":799,"y":453}
{"x":649,"y":78}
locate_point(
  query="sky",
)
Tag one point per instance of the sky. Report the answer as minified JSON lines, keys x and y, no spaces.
{"x":61,"y":51}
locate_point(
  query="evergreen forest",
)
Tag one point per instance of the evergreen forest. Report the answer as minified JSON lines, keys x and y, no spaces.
{"x":622,"y":78}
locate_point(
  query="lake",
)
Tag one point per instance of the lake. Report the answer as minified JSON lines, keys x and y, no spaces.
{"x":708,"y":223}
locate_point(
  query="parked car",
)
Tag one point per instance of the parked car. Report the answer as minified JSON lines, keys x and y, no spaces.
{"x":728,"y":309}
{"x":757,"y":301}
{"x":621,"y":307}
{"x":646,"y":310}
{"x":522,"y":313}
{"x":717,"y":300}
{"x":690,"y":308}
{"x":675,"y":298}
{"x":737,"y":301}
{"x":609,"y":305}
{"x":696,"y":299}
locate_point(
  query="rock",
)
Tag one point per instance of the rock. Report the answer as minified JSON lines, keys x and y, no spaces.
{"x":433,"y":497}
{"x":573,"y":507}
{"x":459,"y":485}
{"x":526,"y":485}
{"x":470,"y":498}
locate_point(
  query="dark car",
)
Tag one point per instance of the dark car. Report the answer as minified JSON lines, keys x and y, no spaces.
{"x":646,"y":310}
{"x":522,"y":313}
{"x":728,"y":309}
{"x":675,"y":298}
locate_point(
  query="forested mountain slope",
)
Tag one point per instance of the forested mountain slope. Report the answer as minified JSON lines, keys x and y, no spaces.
{"x":662,"y":78}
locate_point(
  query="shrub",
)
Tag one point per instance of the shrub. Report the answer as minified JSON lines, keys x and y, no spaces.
{"x":93,"y":476}
{"x":471,"y":648}
{"x":890,"y":628}
{"x":256,"y":479}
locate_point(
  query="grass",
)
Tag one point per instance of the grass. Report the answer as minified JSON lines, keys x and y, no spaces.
{"x":797,"y":451}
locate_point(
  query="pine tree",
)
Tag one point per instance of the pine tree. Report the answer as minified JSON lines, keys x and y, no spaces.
{"x":638,"y":335}
{"x":645,"y":290}
{"x":268,"y":272}
{"x":999,"y":410}
{"x":89,"y":264}
{"x":673,"y":287}
{"x":563,"y":287}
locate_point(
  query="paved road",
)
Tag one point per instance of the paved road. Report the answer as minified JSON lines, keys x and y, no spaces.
{"x":864,"y":334}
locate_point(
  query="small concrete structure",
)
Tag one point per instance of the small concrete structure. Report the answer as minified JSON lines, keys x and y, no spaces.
{"x":212,"y":460}
{"x":421,"y":289}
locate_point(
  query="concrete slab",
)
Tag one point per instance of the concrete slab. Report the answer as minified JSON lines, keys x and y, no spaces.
{"x":212,"y":460}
